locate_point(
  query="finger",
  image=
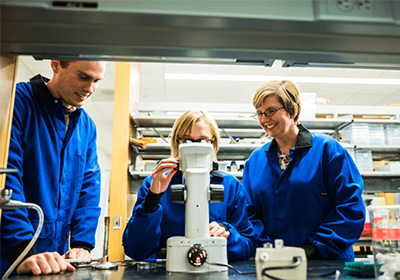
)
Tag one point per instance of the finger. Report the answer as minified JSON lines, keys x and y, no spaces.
{"x":71,"y":254}
{"x":219,"y":232}
{"x":54,"y":266}
{"x":166,"y":162}
{"x":82,"y":254}
{"x":28,"y":266}
{"x":66,"y":255}
{"x":55,"y":261}
{"x":169,"y":160}
{"x":70,"y":267}
{"x":214,"y":230}
{"x":65,"y":266}
{"x":158,"y":172}
{"x":164,"y":167}
{"x":35,"y":269}
{"x":77,"y":253}
{"x":44,"y":265}
{"x":171,"y":174}
{"x":212,"y":225}
{"x":61,"y":263}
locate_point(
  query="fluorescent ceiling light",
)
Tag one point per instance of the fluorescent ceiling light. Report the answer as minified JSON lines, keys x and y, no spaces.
{"x":251,"y":78}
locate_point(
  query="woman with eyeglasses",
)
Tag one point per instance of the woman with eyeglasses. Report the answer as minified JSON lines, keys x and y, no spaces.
{"x":302,"y":187}
{"x":155,"y":218}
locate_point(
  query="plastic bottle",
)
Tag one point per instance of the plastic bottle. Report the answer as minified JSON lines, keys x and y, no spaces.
{"x":234,"y":167}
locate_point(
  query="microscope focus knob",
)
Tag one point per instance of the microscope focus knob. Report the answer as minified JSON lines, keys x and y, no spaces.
{"x":216,"y":193}
{"x":178,"y":193}
{"x":197,"y":255}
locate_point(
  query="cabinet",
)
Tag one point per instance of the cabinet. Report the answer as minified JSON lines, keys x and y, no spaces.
{"x":241,"y":134}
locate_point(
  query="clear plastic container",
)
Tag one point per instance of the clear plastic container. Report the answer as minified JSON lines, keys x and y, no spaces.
{"x":385,"y":230}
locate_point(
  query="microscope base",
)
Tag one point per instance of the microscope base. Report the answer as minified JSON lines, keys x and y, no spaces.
{"x":177,"y":254}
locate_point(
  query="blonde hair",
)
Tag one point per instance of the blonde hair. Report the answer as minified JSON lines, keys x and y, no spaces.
{"x":184,"y":125}
{"x":287,"y":93}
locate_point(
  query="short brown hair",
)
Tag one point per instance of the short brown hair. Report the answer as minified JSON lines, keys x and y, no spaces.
{"x":286,"y":91}
{"x":65,"y":63}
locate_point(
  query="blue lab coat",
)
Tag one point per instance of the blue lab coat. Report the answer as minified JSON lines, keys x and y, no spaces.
{"x":147,"y":232}
{"x":317,"y":198}
{"x":58,"y":171}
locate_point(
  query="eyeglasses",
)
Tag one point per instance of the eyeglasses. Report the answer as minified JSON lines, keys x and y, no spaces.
{"x":268,"y":113}
{"x":190,"y":140}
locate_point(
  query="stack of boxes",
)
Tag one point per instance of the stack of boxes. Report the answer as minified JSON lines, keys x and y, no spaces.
{"x":359,"y":134}
{"x":364,"y":161}
{"x":366,"y":134}
{"x":356,"y":134}
{"x":392,"y":134}
{"x":376,"y":134}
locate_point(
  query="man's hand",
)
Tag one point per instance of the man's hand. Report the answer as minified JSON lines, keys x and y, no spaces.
{"x":77,"y":253}
{"x":216,"y":230}
{"x":44,"y":263}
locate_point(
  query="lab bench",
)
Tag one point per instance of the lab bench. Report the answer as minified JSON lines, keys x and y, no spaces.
{"x":316,"y":269}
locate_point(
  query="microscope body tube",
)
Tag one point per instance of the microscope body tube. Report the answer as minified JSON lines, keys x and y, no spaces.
{"x":197,"y":214}
{"x":196,"y":164}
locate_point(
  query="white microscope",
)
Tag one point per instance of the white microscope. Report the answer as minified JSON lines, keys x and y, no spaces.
{"x":196,"y":252}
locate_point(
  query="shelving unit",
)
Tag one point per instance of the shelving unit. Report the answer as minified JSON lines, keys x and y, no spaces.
{"x":240,"y":128}
{"x":237,"y":123}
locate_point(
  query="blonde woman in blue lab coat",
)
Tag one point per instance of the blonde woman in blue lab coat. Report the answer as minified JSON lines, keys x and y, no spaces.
{"x":155,"y":217}
{"x":302,"y":187}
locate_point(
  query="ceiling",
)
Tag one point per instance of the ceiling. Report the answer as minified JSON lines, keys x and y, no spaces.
{"x":263,"y":32}
{"x":155,"y":88}
{"x":298,"y":32}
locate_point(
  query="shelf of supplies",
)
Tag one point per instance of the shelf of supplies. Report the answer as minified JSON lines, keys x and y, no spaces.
{"x":376,"y":121}
{"x":379,"y":148}
{"x":143,"y":174}
{"x":235,"y":122}
{"x":256,"y":133}
{"x":139,"y":174}
{"x":238,"y":127}
{"x":239,"y":174}
{"x":168,"y":122}
{"x":380,"y":174}
{"x":373,"y":121}
{"x":243,"y":126}
{"x":225,"y":152}
{"x":236,"y":151}
{"x":224,"y":132}
{"x":364,"y":241}
{"x":324,"y":123}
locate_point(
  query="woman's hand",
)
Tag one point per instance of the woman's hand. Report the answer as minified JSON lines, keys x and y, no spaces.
{"x":160,"y":181}
{"x":216,"y":229}
{"x":77,"y":253}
